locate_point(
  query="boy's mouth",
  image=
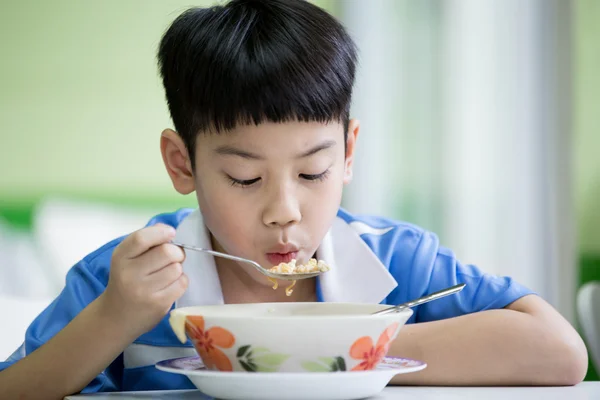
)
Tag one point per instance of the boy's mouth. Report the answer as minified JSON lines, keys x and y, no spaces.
{"x":278,"y":258}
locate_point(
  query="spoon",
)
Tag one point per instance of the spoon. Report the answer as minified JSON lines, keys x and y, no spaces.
{"x":430,"y":297}
{"x":262,"y":270}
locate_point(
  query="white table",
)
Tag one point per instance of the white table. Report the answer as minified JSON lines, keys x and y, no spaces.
{"x":583,"y":391}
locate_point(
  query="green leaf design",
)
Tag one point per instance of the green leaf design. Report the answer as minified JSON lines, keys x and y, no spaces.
{"x":271,"y":359}
{"x":341,"y":363}
{"x":313,"y":366}
{"x":242,"y":350}
{"x":325,"y":364}
{"x":246,"y":366}
{"x":260,"y":359}
{"x":261,"y":350}
{"x":326,"y":360}
{"x":262,"y":368}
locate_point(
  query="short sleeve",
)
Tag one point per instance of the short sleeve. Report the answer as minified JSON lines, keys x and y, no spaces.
{"x":434,"y":268}
{"x":84,"y":284}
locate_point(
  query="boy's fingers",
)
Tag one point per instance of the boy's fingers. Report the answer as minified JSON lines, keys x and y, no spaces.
{"x":141,"y":241}
{"x":159,"y":257}
{"x":176,"y":289}
{"x":164,"y":277}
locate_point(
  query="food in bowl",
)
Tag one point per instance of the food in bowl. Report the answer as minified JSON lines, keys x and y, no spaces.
{"x":291,"y":268}
{"x":289,"y":337}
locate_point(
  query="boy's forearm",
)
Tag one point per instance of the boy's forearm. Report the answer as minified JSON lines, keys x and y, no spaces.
{"x":70,"y":360}
{"x":496,"y":347}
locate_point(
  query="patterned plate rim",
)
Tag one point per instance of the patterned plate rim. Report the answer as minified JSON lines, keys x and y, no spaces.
{"x":193,"y":365}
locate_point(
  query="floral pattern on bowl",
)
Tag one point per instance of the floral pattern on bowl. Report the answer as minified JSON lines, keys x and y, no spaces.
{"x":250,"y":338}
{"x":362,"y":349}
{"x":260,"y":359}
{"x":371,"y":355}
{"x":207,"y":343}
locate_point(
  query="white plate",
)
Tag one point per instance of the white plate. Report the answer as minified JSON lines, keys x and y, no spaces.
{"x":347,"y":385}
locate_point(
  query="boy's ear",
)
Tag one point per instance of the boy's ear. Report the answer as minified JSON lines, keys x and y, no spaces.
{"x":177,"y":161}
{"x":353,"y":129}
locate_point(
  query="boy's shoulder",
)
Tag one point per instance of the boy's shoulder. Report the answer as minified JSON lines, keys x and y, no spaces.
{"x":398,"y":243}
{"x":377,"y":224}
{"x":382,"y":234}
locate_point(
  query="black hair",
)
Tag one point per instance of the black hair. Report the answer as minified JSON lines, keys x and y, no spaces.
{"x":252,"y":61}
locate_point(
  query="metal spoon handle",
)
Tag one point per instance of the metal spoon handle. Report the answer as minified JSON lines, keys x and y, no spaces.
{"x":430,"y":297}
{"x":218,"y":254}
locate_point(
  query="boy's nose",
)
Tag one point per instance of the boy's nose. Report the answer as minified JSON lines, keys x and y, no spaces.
{"x":282,"y":209}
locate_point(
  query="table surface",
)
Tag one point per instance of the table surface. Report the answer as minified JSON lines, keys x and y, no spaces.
{"x":583,"y":391}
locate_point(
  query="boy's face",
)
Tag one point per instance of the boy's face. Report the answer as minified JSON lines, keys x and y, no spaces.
{"x":268,"y":192}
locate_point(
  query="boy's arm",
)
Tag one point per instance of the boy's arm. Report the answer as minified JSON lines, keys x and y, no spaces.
{"x":146,"y":278}
{"x":70,"y":360}
{"x":526,"y":343}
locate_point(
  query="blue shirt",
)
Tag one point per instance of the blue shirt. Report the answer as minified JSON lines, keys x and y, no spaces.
{"x":372,"y":259}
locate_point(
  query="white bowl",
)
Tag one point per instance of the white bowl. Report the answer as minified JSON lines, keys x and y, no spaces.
{"x":289,"y":337}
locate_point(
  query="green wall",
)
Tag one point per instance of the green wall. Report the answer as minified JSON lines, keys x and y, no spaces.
{"x":586,"y":110}
{"x":81,"y":104}
{"x":587,"y":123}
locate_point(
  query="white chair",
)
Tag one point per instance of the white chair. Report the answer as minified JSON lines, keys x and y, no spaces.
{"x":17,"y":314}
{"x":588,"y":310}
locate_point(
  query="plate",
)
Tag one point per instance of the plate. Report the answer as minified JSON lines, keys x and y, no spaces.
{"x":346,"y":385}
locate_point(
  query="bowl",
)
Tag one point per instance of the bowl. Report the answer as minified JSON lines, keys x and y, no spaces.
{"x":289,"y":337}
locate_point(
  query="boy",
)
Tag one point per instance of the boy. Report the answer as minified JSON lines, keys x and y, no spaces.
{"x":259,"y":93}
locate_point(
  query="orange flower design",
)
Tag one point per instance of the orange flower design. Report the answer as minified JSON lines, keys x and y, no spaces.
{"x":370,"y":355}
{"x":207,"y":342}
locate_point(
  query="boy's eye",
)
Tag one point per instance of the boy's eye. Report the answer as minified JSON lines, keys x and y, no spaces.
{"x":242,"y":182}
{"x":315,"y":177}
{"x":249,"y":182}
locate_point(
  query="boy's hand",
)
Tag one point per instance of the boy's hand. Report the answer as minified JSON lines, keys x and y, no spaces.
{"x":146,"y":277}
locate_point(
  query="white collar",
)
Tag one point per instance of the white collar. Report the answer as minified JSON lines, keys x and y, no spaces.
{"x":356,"y":273}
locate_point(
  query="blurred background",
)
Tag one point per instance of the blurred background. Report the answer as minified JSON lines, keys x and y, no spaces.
{"x":480,"y":122}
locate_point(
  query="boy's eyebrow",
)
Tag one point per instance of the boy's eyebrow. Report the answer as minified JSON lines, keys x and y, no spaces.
{"x":321,"y":146}
{"x":227,"y":150}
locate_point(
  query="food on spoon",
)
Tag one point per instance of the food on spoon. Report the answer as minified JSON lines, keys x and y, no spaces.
{"x":291,"y":268}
